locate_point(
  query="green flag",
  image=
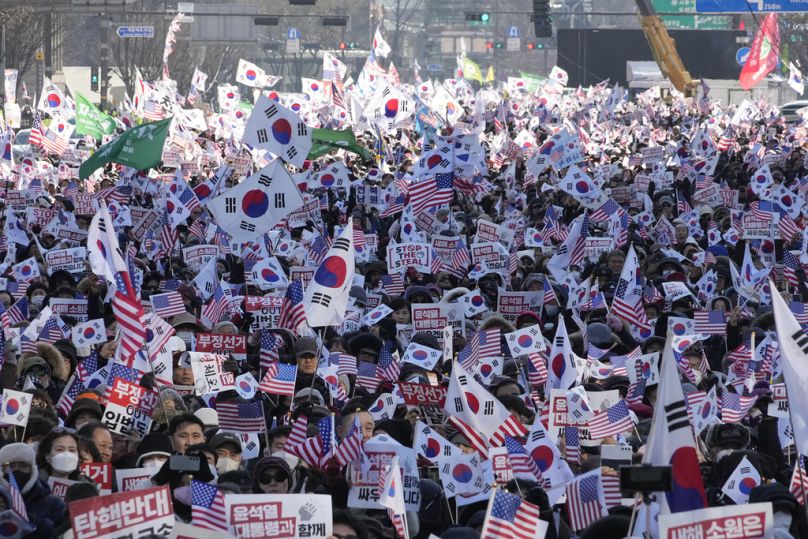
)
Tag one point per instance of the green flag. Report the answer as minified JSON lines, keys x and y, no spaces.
{"x":141,"y":147}
{"x":90,"y":120}
{"x":326,"y":140}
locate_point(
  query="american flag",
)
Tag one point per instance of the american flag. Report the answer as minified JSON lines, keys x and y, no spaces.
{"x":73,"y":389}
{"x":279,"y":379}
{"x":53,"y":142}
{"x":472,"y":435}
{"x":170,"y":284}
{"x":799,"y":310}
{"x":682,"y":205}
{"x":433,"y":192}
{"x":367,"y":375}
{"x":549,"y":293}
{"x":510,"y":517}
{"x":572,"y":444}
{"x":35,"y":138}
{"x":585,"y":500}
{"x":631,"y":313}
{"x":313,"y":450}
{"x":608,"y":208}
{"x":521,"y":461}
{"x":17,"y":503}
{"x":710,"y":322}
{"x":4,"y":319}
{"x":168,"y":304}
{"x":788,"y":228}
{"x":394,"y":205}
{"x":388,"y":366}
{"x":351,"y":446}
{"x":128,"y":311}
{"x":726,"y":140}
{"x":611,"y":421}
{"x":734,"y":407}
{"x":292,"y":312}
{"x":510,"y":427}
{"x":71,"y":190}
{"x":460,"y":260}
{"x":578,"y":250}
{"x":207,"y":506}
{"x":87,"y":366}
{"x":799,"y":481}
{"x":346,"y":363}
{"x":270,"y":342}
{"x":484,"y":343}
{"x":537,"y":368}
{"x":761,"y":209}
{"x":611,"y":490}
{"x":51,"y":331}
{"x":298,"y":434}
{"x":217,"y":306}
{"x":241,"y":416}
{"x":791,"y":264}
{"x":19,"y":311}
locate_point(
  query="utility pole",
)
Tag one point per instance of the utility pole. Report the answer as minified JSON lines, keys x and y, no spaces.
{"x":104,"y":79}
{"x":48,"y":44}
{"x":3,"y":61}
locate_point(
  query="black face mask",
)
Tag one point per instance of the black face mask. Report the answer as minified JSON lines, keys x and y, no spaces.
{"x":22,"y":478}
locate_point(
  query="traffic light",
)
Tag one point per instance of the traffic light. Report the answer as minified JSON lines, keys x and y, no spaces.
{"x":478,"y":17}
{"x":542,"y":22}
{"x":499,"y":45}
{"x":265,"y":21}
{"x":342,"y":45}
{"x":489,"y":44}
{"x":94,"y":79}
{"x":531,"y":46}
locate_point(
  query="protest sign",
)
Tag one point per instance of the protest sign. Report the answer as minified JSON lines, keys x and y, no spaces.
{"x":402,"y":256}
{"x":493,"y":254}
{"x":100,"y":473}
{"x":417,"y":394}
{"x":132,"y":478}
{"x":279,"y":515}
{"x":594,"y":246}
{"x":379,"y":451}
{"x":444,"y":247}
{"x":135,"y":514}
{"x":511,"y":304}
{"x":309,"y":211}
{"x":208,"y":373}
{"x":197,"y":256}
{"x":219,"y":343}
{"x":121,"y":404}
{"x":59,"y":486}
{"x":779,"y":406}
{"x":73,"y":260}
{"x":302,"y":273}
{"x":750,"y":521}
{"x":265,"y":311}
{"x":759,"y":229}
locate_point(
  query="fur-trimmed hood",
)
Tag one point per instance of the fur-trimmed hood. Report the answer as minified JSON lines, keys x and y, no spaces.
{"x":54,"y":358}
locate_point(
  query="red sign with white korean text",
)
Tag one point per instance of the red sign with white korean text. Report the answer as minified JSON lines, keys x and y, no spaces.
{"x":124,"y":514}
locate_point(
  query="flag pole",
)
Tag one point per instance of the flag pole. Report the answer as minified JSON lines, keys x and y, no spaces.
{"x":488,"y":508}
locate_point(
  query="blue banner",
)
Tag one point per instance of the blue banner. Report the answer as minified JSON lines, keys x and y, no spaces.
{"x":757,"y":6}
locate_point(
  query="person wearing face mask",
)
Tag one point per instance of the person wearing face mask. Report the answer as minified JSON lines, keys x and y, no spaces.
{"x":787,"y":521}
{"x":228,"y":448}
{"x":153,"y":451}
{"x":45,"y":511}
{"x":58,"y":456}
{"x":186,"y":325}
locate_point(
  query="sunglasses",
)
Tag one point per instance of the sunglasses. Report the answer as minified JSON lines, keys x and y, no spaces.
{"x":269,"y":477}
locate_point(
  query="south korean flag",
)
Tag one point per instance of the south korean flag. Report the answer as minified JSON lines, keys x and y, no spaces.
{"x":257,"y":204}
{"x":275,"y":128}
{"x":526,"y":341}
{"x":326,"y":295}
{"x":333,"y":177}
{"x":89,"y":333}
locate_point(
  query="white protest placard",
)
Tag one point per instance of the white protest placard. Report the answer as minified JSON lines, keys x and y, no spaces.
{"x":444,"y":247}
{"x":73,"y":260}
{"x":309,"y":211}
{"x":511,"y":304}
{"x":75,"y":308}
{"x":710,"y":196}
{"x":208,"y":374}
{"x":749,"y":521}
{"x":653,"y":154}
{"x":121,"y":405}
{"x":265,"y":311}
{"x":493,"y":254}
{"x":135,"y":514}
{"x":594,"y":246}
{"x":379,"y":451}
{"x":59,"y":486}
{"x":759,"y":229}
{"x":279,"y":515}
{"x":133,"y":478}
{"x":403,"y":256}
{"x":85,"y":204}
{"x":197,"y":256}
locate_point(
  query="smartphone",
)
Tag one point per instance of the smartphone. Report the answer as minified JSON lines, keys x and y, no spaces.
{"x":184,"y":463}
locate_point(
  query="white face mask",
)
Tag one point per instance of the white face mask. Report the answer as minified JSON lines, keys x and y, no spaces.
{"x":187,"y":337}
{"x":226,"y":464}
{"x":290,"y":459}
{"x":38,"y":301}
{"x":782,"y":520}
{"x":154,"y":464}
{"x":65,"y":462}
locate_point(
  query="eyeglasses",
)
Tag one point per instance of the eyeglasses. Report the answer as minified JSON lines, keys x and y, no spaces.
{"x":278,"y":477}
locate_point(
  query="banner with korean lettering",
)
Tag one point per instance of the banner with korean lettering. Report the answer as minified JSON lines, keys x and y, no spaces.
{"x":265,"y":311}
{"x":417,"y":394}
{"x":750,"y":521}
{"x":100,"y":473}
{"x":379,"y":451}
{"x":219,"y":343}
{"x":433,"y":317}
{"x":196,"y":256}
{"x":209,"y":376}
{"x":511,"y":304}
{"x":125,"y":514}
{"x":121,"y":404}
{"x":279,"y":515}
{"x":73,"y":260}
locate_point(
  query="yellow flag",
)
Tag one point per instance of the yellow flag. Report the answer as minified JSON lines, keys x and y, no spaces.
{"x":472,"y":71}
{"x":489,"y":77}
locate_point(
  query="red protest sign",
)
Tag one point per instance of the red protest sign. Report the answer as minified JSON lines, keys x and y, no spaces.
{"x":416,"y":394}
{"x":125,"y":514}
{"x":219,"y":343}
{"x":100,"y":473}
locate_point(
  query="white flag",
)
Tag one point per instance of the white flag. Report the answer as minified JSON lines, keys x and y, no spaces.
{"x":326,"y":295}
{"x":16,"y":408}
{"x":795,"y":79}
{"x":525,"y":341}
{"x":89,"y":333}
{"x":268,"y":274}
{"x":380,"y":46}
{"x":277,"y":129}
{"x":257,"y":204}
{"x":251,"y":75}
{"x":423,"y":356}
{"x":741,"y":482}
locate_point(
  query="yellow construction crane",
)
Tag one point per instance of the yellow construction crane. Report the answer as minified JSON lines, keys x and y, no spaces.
{"x":664,"y":49}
